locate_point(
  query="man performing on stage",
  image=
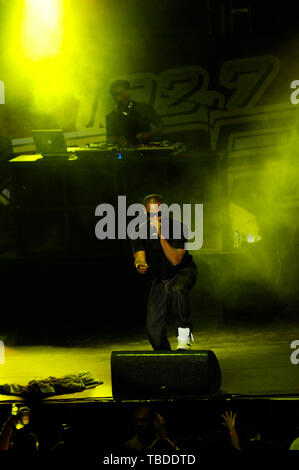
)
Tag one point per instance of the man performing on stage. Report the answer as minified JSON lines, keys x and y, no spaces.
{"x":174,"y":273}
{"x":130,"y":122}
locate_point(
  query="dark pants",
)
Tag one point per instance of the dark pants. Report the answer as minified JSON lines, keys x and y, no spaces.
{"x":169,"y":297}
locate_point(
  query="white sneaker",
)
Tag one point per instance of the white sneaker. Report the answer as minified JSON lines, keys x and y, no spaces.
{"x":184,"y":338}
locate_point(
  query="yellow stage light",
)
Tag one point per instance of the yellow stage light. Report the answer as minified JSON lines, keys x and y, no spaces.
{"x":42,"y":51}
{"x":250,"y":238}
{"x":54,"y":53}
{"x":42,"y":28}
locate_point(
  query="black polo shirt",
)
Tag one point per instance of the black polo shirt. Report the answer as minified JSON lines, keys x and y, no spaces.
{"x":140,"y":118}
{"x":159,"y":266}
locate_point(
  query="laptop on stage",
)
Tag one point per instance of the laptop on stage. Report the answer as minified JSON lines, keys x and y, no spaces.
{"x":50,"y":143}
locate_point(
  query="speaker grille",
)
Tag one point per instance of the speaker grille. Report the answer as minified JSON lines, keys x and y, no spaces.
{"x":143,"y":374}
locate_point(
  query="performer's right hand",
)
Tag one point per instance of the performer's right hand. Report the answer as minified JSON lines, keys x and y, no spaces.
{"x":142,"y":268}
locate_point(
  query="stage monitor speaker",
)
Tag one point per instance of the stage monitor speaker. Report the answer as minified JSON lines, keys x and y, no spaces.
{"x":151,"y":374}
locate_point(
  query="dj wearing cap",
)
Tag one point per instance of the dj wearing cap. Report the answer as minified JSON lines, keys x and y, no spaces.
{"x":130,"y":122}
{"x":174,"y":273}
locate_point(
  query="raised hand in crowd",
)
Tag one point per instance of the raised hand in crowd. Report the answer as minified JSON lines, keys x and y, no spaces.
{"x":229,"y":422}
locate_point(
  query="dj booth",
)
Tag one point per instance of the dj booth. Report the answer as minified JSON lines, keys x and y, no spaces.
{"x":55,"y":197}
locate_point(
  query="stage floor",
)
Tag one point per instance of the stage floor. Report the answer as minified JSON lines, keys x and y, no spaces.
{"x":254,"y":361}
